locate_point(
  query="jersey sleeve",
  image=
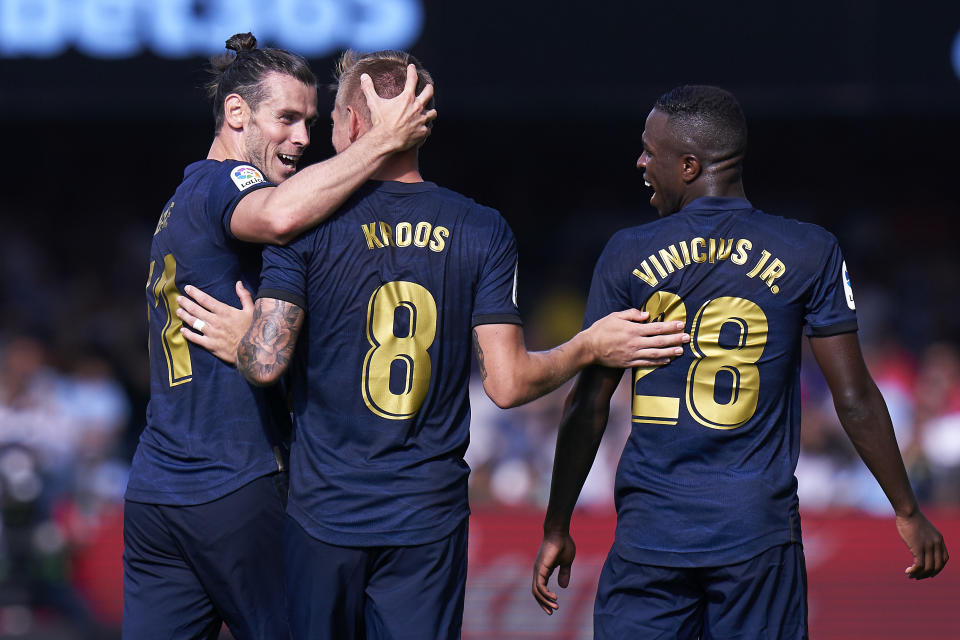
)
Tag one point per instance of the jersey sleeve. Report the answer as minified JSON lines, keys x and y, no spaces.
{"x":496,"y":299}
{"x":233,"y":182}
{"x":830,"y":309}
{"x":608,"y":289}
{"x":284,"y":272}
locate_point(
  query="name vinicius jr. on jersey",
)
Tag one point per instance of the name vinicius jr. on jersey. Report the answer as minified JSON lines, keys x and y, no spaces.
{"x":711,"y":251}
{"x":379,"y":235}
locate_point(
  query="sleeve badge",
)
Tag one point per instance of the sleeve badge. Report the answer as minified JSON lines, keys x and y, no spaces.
{"x":245,"y":176}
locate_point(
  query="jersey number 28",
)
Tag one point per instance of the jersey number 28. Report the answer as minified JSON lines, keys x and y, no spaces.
{"x":728,"y":366}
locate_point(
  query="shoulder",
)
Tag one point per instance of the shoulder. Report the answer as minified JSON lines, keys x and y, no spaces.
{"x":474,"y":214}
{"x":806,"y":232}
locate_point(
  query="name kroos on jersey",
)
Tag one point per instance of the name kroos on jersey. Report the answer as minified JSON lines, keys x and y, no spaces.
{"x":379,"y":235}
{"x":710,"y":250}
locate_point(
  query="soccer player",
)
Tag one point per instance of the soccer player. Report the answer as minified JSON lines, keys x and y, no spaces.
{"x":391,"y":287}
{"x":708,"y":532}
{"x":204,"y":504}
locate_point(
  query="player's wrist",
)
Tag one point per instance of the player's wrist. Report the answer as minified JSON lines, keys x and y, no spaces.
{"x":384,"y":139}
{"x":907,"y":511}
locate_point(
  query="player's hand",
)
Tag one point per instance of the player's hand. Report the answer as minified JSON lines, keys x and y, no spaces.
{"x":402,"y":120}
{"x":214,"y":325}
{"x":623,"y":340}
{"x":556,"y":550}
{"x":925,"y":544}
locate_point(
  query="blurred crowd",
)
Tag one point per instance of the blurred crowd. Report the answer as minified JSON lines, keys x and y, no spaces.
{"x":73,"y":390}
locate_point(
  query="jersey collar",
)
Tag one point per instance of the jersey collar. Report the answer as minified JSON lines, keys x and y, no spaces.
{"x":717,"y":203}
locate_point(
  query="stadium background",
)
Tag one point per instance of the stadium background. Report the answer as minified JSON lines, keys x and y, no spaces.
{"x":854,"y":113}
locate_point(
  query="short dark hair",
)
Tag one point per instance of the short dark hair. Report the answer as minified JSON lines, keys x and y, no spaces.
{"x":243,"y":71}
{"x":708,"y":117}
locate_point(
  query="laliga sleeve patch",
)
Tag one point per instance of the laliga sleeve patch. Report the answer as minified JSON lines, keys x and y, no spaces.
{"x":847,"y":287}
{"x":245,"y":176}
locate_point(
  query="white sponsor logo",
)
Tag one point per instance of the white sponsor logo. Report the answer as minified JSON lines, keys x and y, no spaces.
{"x":516,"y":269}
{"x":847,"y":286}
{"x":246,"y":176}
{"x":181,"y":28}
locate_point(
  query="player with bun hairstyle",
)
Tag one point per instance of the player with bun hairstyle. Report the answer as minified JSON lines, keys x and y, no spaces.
{"x":205,"y":499}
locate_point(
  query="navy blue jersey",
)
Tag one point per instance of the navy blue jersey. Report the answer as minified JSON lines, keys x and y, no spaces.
{"x":707,"y":475}
{"x":391,"y":286}
{"x":208,"y":431}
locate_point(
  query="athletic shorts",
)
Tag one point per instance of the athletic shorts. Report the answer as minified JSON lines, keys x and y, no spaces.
{"x":189,"y":569}
{"x":375,"y":593}
{"x":764,"y":598}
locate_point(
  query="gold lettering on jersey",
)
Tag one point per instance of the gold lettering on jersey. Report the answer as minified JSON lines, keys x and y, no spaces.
{"x":438,"y":243}
{"x":646,"y":275}
{"x":658,"y":267}
{"x":696,"y":245}
{"x":422,"y":234}
{"x":725,"y":247}
{"x":386,"y":233}
{"x":764,"y":256}
{"x":370,"y":235}
{"x":380,"y":235}
{"x":682,"y":254}
{"x":164,"y":219}
{"x":404,"y":234}
{"x":743,"y":247}
{"x":771,"y":273}
{"x":671,"y":258}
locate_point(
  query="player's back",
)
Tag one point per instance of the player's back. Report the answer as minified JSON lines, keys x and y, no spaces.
{"x":707,"y":474}
{"x":208,"y":431}
{"x":392,"y":286}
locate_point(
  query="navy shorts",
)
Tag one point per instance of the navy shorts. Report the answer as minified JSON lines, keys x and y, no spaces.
{"x":187,"y":570}
{"x":764,"y":598}
{"x":375,"y":593}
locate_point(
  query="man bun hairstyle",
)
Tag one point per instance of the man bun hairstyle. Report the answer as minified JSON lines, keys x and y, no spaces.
{"x":243,"y":71}
{"x":709,"y":118}
{"x":388,"y":71}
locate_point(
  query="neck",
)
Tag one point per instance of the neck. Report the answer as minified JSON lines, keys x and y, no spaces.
{"x":226,"y":146}
{"x":400,"y":167}
{"x":716,"y":190}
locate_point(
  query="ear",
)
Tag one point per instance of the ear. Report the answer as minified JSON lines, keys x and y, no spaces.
{"x":235,"y":110}
{"x":690,"y":167}
{"x":353,"y":119}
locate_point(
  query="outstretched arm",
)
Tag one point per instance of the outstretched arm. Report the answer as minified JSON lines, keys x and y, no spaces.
{"x":513,"y":376}
{"x":581,"y":429}
{"x":864,"y":416}
{"x":276,"y":215}
{"x":265,"y":351}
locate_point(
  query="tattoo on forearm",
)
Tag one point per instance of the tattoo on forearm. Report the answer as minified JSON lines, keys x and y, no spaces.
{"x":266,"y":349}
{"x":479,"y":352}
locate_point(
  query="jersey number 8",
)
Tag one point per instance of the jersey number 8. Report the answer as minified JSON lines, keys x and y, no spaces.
{"x":401,"y":326}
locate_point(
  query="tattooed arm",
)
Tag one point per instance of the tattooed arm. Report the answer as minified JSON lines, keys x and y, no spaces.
{"x":265,"y":351}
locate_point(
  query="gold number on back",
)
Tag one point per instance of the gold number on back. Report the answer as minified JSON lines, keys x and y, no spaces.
{"x":175,"y":349}
{"x":662,"y":306}
{"x":734,"y":367}
{"x":403,"y":358}
{"x":737,"y":363}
